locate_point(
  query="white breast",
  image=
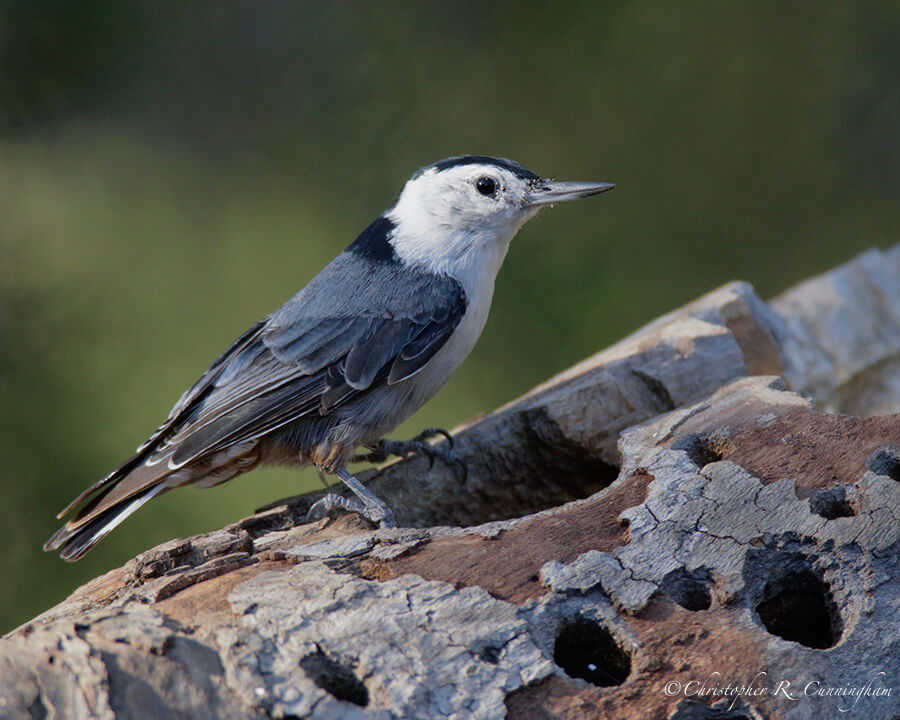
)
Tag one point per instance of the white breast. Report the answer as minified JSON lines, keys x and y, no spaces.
{"x":458,"y":347}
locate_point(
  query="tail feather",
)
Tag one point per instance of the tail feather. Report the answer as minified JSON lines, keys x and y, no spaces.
{"x":151,"y":471}
{"x":76,"y":541}
{"x":116,"y":474}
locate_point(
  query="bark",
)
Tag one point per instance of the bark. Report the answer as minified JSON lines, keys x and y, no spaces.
{"x":672,"y":510}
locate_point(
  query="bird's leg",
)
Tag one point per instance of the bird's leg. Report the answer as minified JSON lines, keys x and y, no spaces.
{"x":384,"y":448}
{"x":366,"y":503}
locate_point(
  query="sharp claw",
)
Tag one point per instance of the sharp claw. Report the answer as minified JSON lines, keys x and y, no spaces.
{"x":322,"y":476}
{"x":433,"y":432}
{"x":376,"y":454}
{"x":327,"y":504}
{"x":384,"y":448}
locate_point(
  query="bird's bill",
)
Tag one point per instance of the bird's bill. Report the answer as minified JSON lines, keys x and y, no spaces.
{"x":550,"y":191}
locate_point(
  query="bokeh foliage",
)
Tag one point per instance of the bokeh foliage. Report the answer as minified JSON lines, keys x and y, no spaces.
{"x":171,"y":172}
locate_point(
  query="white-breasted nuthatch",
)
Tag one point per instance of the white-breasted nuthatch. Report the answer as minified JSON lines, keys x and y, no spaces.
{"x":370,"y":339}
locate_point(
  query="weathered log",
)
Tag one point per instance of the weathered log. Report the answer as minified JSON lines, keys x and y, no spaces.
{"x":670,"y":509}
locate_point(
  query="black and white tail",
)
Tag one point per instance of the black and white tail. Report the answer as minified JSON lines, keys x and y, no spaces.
{"x":76,"y":541}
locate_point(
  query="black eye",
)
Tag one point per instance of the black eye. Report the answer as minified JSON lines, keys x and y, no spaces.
{"x":486,"y":185}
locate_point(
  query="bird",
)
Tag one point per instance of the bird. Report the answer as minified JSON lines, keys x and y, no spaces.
{"x":359,"y":349}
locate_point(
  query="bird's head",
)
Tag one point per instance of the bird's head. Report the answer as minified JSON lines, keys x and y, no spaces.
{"x":465,"y":207}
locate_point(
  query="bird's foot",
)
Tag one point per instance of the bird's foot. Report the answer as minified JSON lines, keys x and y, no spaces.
{"x":384,"y":448}
{"x":332,"y":505}
{"x":367,"y":504}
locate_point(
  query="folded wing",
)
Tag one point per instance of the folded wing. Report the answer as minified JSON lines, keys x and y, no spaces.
{"x":357,"y":326}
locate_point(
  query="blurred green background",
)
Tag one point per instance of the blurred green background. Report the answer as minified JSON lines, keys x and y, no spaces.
{"x":171,"y":172}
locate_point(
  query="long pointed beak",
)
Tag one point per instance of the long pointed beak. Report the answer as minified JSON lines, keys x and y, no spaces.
{"x":550,"y":191}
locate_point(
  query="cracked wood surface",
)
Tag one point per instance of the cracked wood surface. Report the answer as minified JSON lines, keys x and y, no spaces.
{"x":663,"y":491}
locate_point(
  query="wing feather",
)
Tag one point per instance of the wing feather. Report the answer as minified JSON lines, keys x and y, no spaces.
{"x":356,"y":326}
{"x":371,"y":353}
{"x":416,"y":354}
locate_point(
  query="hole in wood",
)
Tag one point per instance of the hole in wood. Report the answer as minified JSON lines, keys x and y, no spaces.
{"x":587,"y":650}
{"x":335,"y":678}
{"x":690,"y":590}
{"x":490,"y":654}
{"x":705,"y":448}
{"x":799,"y":607}
{"x":832,"y":503}
{"x":885,"y":461}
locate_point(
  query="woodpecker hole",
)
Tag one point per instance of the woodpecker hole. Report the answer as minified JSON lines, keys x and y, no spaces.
{"x":586,"y":650}
{"x":832,"y":503}
{"x":799,"y":607}
{"x":690,"y":590}
{"x":335,"y":678}
{"x":490,"y":654}
{"x":704,"y":449}
{"x":885,"y":461}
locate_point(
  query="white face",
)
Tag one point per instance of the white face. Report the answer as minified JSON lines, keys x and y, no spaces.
{"x":460,"y":216}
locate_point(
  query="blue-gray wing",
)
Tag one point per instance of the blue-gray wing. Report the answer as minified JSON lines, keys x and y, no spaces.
{"x":367,"y":314}
{"x":357,"y":325}
{"x":362,"y":323}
